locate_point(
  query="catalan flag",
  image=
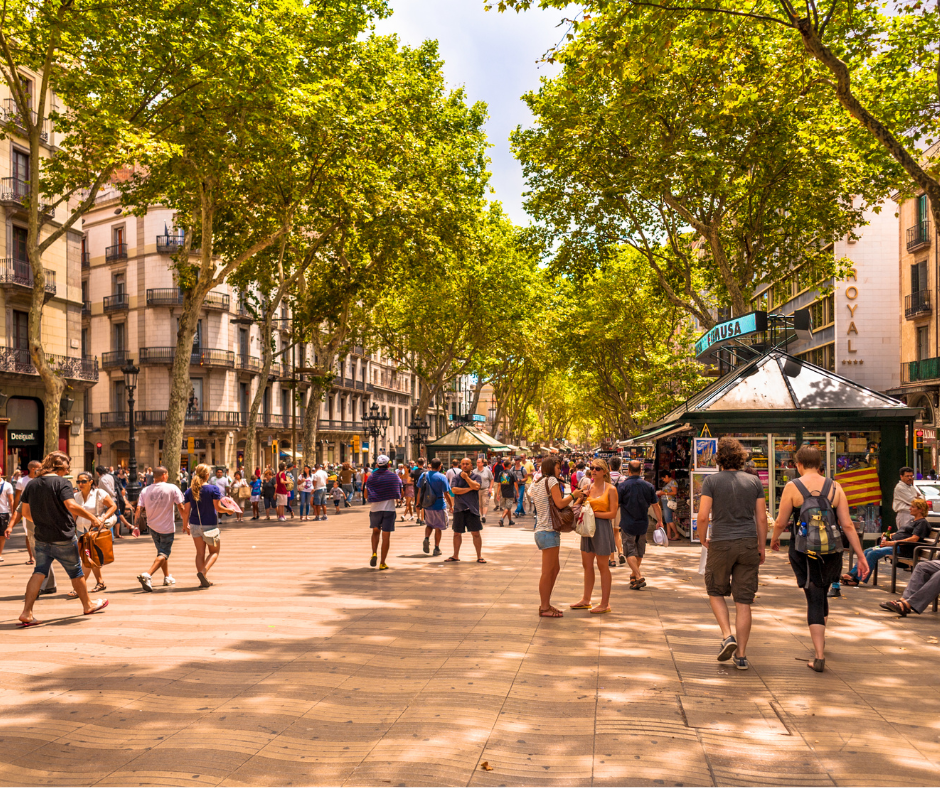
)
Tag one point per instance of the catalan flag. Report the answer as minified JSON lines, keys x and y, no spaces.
{"x":861,"y":486}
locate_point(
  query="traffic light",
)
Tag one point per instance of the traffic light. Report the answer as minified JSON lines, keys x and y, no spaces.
{"x":918,"y":440}
{"x":98,"y":448}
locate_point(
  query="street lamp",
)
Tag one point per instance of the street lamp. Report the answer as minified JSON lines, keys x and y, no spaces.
{"x":374,"y":425}
{"x":130,"y":384}
{"x":419,"y":434}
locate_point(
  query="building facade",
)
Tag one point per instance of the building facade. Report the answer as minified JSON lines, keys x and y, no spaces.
{"x":22,"y":429}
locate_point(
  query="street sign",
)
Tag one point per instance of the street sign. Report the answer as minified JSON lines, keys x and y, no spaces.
{"x":190,"y":445}
{"x":355,"y":444}
{"x":723,"y":333}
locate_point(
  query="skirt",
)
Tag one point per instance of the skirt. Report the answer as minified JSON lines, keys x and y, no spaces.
{"x":602,"y":543}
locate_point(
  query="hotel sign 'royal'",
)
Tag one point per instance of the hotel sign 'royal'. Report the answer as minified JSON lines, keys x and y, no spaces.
{"x":723,"y":333}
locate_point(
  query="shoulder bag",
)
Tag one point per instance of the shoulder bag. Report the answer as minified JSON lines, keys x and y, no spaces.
{"x":586,"y":524}
{"x":213,"y":535}
{"x":562,"y":518}
{"x":96,"y":545}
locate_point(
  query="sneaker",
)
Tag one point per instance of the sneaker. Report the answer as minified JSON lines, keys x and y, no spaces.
{"x":400,"y":519}
{"x":383,"y":566}
{"x":427,"y":545}
{"x":437,"y":550}
{"x":623,"y":558}
{"x":741,"y":663}
{"x":835,"y":592}
{"x":483,"y":520}
{"x":145,"y":581}
{"x":169,"y":580}
{"x":374,"y":560}
{"x":324,"y":517}
{"x":728,"y":646}
{"x":47,"y":591}
{"x":282,"y":519}
{"x":512,"y":522}
{"x":500,"y":523}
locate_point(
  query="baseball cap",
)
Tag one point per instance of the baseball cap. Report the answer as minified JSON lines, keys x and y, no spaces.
{"x":382,"y":460}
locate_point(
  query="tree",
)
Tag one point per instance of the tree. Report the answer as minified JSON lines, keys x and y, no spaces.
{"x":707,"y":145}
{"x":138,"y":61}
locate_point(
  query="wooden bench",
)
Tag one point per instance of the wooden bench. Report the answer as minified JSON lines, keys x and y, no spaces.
{"x":929,"y":547}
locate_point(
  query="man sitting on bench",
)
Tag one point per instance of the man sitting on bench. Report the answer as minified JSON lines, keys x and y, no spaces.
{"x":908,"y":535}
{"x":922,"y":589}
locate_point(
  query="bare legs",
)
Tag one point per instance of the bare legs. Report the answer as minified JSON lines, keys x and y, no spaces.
{"x":32,"y":592}
{"x":587,"y":562}
{"x":385,"y":542}
{"x":437,"y":534}
{"x":742,"y":621}
{"x":477,"y":543}
{"x":550,"y":569}
{"x":204,"y":564}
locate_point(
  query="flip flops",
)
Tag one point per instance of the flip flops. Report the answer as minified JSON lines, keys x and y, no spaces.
{"x":597,"y":612}
{"x":588,"y":606}
{"x":100,"y":604}
{"x":451,"y":560}
{"x":34,"y":623}
{"x":481,"y":560}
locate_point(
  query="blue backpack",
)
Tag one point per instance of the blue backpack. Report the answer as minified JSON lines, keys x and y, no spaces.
{"x":817,"y":532}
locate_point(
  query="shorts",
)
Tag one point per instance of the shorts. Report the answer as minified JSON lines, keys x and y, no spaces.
{"x":634,"y":545}
{"x":436,"y":518}
{"x":467,"y":521}
{"x":163,"y":542}
{"x":383,"y":520}
{"x":200,"y":531}
{"x":268,"y":503}
{"x":281,"y":499}
{"x":66,"y":553}
{"x":256,"y":499}
{"x":319,"y":496}
{"x":4,"y":522}
{"x":546,"y":540}
{"x":409,"y":491}
{"x":509,"y":503}
{"x":668,"y":514}
{"x":732,"y":568}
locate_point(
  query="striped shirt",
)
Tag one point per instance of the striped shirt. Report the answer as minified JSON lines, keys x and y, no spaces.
{"x":383,"y":485}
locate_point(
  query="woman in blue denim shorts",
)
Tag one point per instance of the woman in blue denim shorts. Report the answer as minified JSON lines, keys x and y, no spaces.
{"x":201,"y":508}
{"x":547,"y":538}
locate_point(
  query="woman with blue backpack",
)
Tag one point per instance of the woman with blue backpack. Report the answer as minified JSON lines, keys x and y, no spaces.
{"x":821,"y":530}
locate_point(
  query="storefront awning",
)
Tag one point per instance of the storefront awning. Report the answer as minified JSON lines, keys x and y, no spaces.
{"x":660,"y":432}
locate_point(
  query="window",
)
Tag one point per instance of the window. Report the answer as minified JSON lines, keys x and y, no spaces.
{"x":923,"y":342}
{"x":84,"y":290}
{"x":118,"y":397}
{"x":243,"y":342}
{"x":197,"y":337}
{"x":20,"y":165}
{"x":266,"y":402}
{"x":118,"y":336}
{"x":86,"y":345}
{"x":285,"y":403}
{"x":243,"y":397}
{"x":922,"y":209}
{"x":19,"y":244}
{"x":118,"y":282}
{"x":21,"y":330}
{"x":117,"y":235}
{"x":824,"y":357}
{"x":919,"y":277}
{"x":823,"y":312}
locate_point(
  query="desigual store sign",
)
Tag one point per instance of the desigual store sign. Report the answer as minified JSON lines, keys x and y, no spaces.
{"x":22,"y":437}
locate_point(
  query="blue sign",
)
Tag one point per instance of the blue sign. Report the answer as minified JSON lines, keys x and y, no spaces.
{"x":751,"y":323}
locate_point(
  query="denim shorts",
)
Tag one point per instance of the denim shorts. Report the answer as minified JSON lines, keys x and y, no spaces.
{"x":199,"y":530}
{"x":66,"y":553}
{"x":382,"y":520}
{"x":164,"y":542}
{"x":546,"y":540}
{"x":319,"y":496}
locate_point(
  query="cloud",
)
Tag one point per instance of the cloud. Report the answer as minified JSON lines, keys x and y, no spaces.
{"x":495,"y":58}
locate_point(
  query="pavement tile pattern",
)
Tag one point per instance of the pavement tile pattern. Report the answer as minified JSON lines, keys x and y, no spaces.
{"x":303,"y":666}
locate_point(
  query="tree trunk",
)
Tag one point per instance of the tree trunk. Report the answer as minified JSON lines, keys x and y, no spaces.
{"x":179,"y":381}
{"x":267,"y":358}
{"x":311,"y":424}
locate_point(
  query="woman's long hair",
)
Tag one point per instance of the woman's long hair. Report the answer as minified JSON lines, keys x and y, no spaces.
{"x":200,"y":477}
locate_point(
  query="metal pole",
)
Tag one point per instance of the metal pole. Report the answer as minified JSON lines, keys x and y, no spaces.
{"x":133,"y":489}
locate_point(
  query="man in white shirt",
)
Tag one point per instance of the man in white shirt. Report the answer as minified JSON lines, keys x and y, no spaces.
{"x":319,"y":493}
{"x":486,"y":483}
{"x":6,"y":509}
{"x":159,"y":500}
{"x":221,"y":481}
{"x":48,"y":585}
{"x":904,"y":495}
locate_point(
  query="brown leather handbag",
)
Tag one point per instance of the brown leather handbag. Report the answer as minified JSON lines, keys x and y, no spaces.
{"x":96,"y":547}
{"x":562,"y":518}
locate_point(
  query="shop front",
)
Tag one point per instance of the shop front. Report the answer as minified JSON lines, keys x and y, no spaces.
{"x":773,"y":405}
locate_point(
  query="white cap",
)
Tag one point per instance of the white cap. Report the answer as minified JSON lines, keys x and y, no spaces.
{"x":382,"y":460}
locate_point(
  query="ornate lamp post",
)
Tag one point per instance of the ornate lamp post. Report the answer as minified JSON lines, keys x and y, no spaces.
{"x":130,"y":384}
{"x":374,"y":425}
{"x":419,"y":434}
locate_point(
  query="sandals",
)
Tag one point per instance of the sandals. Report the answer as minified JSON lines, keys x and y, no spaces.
{"x":550,"y":612}
{"x":586,"y":606}
{"x":849,"y":580}
{"x":599,"y":611}
{"x":636,"y":585}
{"x":481,"y":560}
{"x":72,"y":595}
{"x":819,"y":665}
{"x":100,"y":605}
{"x":451,"y":560}
{"x":894,"y":606}
{"x":98,"y":588}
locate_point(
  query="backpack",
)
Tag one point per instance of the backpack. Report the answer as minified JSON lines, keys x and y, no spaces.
{"x":288,"y":482}
{"x":817,"y":532}
{"x":428,"y":496}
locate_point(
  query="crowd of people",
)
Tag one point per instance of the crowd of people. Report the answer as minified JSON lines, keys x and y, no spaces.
{"x":55,"y":516}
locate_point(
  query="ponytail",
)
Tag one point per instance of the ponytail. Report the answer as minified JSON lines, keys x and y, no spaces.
{"x":200,"y":477}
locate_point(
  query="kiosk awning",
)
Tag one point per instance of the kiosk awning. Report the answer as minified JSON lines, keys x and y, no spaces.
{"x":659,"y":432}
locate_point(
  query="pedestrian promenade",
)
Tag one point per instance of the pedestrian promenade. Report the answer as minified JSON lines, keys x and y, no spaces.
{"x":303,"y":666}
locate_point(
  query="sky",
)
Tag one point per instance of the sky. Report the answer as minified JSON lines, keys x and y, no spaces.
{"x":494,"y":57}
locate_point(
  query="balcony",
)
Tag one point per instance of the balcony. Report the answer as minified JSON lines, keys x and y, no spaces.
{"x":200,"y":357}
{"x":86,"y":259}
{"x":116,"y":252}
{"x":918,"y":236}
{"x":114,"y":358}
{"x":114,"y":419}
{"x":14,"y":192}
{"x":218,"y":301}
{"x":170,"y":244}
{"x":18,"y":360}
{"x":119,"y":302}
{"x":242,"y":311}
{"x":164,"y":296}
{"x":917,"y":304}
{"x":249,"y":364}
{"x":194,"y":418}
{"x":337,"y":425}
{"x":916,"y":371}
{"x":13,"y":116}
{"x":20,"y":273}
{"x":86,"y":309}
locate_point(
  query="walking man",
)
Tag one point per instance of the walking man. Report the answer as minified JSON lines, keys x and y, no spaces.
{"x":48,"y":585}
{"x":636,"y":495}
{"x":486,"y":487}
{"x":736,"y":545}
{"x":384,"y":488}
{"x":904,"y":495}
{"x":435,"y":490}
{"x":520,"y":474}
{"x":319,"y":493}
{"x":6,"y":510}
{"x":508,"y":491}
{"x":160,"y":500}
{"x":417,"y":475}
{"x":466,"y":490}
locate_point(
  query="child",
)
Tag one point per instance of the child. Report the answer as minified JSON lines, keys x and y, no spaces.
{"x":255,"y":495}
{"x":338,"y":495}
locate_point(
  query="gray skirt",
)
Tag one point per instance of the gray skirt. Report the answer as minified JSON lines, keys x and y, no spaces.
{"x":602,"y":543}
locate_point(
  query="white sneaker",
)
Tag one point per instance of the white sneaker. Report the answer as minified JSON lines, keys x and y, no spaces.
{"x":144,"y":580}
{"x":169,"y":580}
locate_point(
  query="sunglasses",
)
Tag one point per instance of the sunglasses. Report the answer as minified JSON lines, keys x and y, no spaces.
{"x":84,"y":481}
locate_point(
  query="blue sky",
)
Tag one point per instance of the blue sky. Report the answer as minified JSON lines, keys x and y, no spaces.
{"x":494,"y":57}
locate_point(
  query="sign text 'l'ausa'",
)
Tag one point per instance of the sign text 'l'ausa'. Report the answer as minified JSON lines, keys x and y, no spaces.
{"x":750,"y":323}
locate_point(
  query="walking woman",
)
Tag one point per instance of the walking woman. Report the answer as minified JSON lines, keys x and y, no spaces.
{"x":96,"y":501}
{"x":547,"y":539}
{"x":602,"y":496}
{"x":241,"y":492}
{"x":268,"y":488}
{"x":408,"y":493}
{"x":815,"y":576}
{"x":305,"y":486}
{"x":201,"y":507}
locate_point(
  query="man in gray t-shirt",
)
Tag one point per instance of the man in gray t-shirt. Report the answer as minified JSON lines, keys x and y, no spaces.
{"x":736,"y":545}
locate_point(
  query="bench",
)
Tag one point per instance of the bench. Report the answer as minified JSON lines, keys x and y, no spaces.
{"x":929,"y":547}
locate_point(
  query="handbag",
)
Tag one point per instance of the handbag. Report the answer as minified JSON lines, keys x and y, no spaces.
{"x":586,"y":524}
{"x":562,"y":518}
{"x":96,"y":547}
{"x":244,"y":491}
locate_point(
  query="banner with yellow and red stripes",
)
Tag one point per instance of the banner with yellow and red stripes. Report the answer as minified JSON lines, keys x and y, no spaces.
{"x":861,"y":486}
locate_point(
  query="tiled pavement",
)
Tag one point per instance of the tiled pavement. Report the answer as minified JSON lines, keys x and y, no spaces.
{"x":302,"y":666}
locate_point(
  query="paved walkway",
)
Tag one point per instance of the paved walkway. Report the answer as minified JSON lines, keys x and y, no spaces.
{"x":302,"y":666}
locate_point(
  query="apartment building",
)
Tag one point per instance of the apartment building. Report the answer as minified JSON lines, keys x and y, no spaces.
{"x":22,"y":419}
{"x":855,"y":321}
